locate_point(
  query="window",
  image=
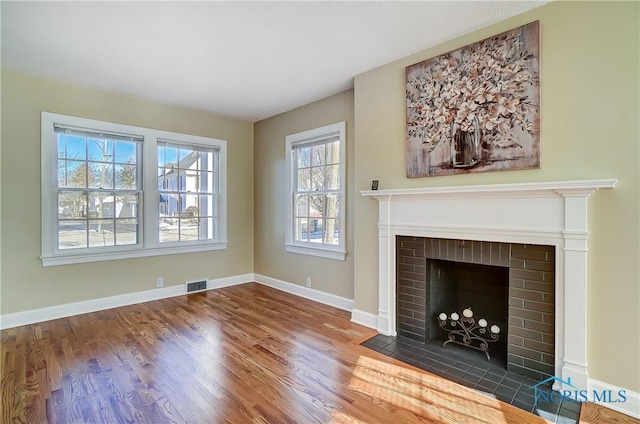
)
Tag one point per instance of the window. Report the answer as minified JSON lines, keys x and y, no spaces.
{"x":188,"y":192}
{"x":316,"y":178}
{"x":112,"y":191}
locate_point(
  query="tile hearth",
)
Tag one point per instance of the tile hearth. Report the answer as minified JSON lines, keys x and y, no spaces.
{"x":471,"y":369}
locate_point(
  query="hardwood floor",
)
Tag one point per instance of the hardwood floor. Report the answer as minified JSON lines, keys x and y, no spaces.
{"x":243,"y":354}
{"x":596,"y":414}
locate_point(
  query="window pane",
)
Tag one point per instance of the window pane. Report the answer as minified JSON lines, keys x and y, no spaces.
{"x":168,"y":229}
{"x":100,"y":150}
{"x":206,"y":182}
{"x":332,"y":206}
{"x":333,"y":152}
{"x":192,"y":181}
{"x":72,"y":205}
{"x":206,"y":205}
{"x":302,"y":233}
{"x":72,"y":234}
{"x":331,"y":232}
{"x":184,"y":154}
{"x":126,"y":205}
{"x":76,"y":174}
{"x":126,"y":231}
{"x":100,"y":175}
{"x":62,"y":173}
{"x":316,"y":205}
{"x":317,"y":178}
{"x":189,"y":229}
{"x":101,"y":233}
{"x":205,"y":161}
{"x":302,"y":205}
{"x":304,"y":157}
{"x":332,"y":177}
{"x":317,"y":155}
{"x":125,"y":152}
{"x":126,"y":176}
{"x":171,"y":203}
{"x":76,"y":147}
{"x":304,"y":180}
{"x":167,"y":156}
{"x":164,"y":214}
{"x":101,"y":205}
{"x":206,"y":229}
{"x":167,"y":179}
{"x":62,"y":147}
{"x":189,"y":206}
{"x":315,"y":230}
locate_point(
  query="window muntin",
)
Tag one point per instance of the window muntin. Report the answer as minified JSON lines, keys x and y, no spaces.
{"x":187,"y":192}
{"x":100,"y":191}
{"x":315,"y":217}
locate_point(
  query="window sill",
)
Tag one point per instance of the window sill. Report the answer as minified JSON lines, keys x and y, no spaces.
{"x":338,"y":255}
{"x":67,"y":259}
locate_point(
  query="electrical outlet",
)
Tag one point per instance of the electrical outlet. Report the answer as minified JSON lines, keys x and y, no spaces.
{"x":160,"y":282}
{"x":308,"y":281}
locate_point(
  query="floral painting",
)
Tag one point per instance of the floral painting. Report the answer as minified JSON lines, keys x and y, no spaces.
{"x":476,"y":109}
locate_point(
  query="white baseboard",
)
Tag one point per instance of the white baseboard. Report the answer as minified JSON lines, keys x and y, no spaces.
{"x":219,"y":283}
{"x":311,"y":294}
{"x":631,"y":406}
{"x":70,"y":309}
{"x":364,"y":318}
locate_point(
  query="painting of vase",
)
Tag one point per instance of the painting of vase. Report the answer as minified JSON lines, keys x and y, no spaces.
{"x":476,"y":109}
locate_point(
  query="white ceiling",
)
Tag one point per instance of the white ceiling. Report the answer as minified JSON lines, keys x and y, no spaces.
{"x":247,"y":60}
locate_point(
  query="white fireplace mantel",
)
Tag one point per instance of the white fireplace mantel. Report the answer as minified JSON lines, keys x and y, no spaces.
{"x":549,"y":213}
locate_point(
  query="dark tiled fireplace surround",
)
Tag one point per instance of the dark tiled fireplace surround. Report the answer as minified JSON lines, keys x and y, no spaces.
{"x":527,"y":355}
{"x":429,"y":269}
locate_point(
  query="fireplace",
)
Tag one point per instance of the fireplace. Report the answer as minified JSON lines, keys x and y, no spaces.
{"x":545,"y":214}
{"x":507,"y":284}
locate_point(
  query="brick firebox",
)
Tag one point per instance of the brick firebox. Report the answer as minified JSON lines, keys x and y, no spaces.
{"x":530,"y":331}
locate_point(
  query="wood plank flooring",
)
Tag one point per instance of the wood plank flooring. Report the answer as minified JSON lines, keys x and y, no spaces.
{"x":590,"y":413}
{"x":243,"y":354}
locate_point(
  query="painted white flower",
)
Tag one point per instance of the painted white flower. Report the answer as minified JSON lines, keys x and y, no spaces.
{"x":507,"y":106}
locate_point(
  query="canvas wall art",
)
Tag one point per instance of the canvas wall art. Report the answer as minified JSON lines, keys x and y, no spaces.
{"x":476,"y":109}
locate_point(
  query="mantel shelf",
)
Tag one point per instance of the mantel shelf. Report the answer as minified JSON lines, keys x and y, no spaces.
{"x":564,"y":188}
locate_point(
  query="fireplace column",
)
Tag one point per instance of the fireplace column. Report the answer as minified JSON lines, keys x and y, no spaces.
{"x":574,"y":364}
{"x":386,"y":270}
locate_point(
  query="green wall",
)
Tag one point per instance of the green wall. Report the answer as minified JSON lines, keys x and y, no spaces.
{"x":26,"y":284}
{"x":327,"y":275}
{"x":589,"y":129}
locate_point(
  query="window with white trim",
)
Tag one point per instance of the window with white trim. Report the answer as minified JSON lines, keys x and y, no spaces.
{"x":188,"y":192}
{"x":112,"y":191}
{"x":316,"y":185}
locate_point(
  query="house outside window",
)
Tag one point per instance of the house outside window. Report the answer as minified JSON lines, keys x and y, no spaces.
{"x":112,"y":191}
{"x":315,"y":214}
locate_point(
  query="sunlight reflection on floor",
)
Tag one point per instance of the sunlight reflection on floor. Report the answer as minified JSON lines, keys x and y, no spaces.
{"x":420,"y":392}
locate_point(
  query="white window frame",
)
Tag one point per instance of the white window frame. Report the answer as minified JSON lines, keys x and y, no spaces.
{"x":337,"y":252}
{"x":148,"y":243}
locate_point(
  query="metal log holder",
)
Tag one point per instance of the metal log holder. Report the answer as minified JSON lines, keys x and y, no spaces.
{"x":465,"y":331}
